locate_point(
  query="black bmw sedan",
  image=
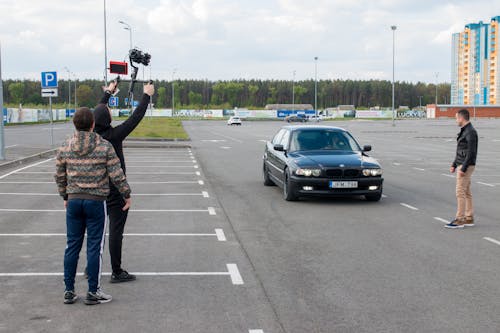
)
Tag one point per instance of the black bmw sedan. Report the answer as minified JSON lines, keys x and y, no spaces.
{"x":321,"y":161}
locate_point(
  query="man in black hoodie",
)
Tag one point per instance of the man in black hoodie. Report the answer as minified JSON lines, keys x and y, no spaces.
{"x":116,"y":135}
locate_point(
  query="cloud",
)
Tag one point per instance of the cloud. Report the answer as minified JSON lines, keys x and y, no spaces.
{"x":223,"y":39}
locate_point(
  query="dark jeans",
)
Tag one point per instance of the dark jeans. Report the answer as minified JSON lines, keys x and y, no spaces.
{"x":81,"y":215}
{"x":117,"y":220}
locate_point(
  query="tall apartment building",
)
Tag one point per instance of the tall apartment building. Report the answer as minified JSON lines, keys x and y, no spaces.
{"x":475,"y":72}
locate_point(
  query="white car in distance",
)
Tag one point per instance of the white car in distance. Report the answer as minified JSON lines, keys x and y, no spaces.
{"x":234,"y":121}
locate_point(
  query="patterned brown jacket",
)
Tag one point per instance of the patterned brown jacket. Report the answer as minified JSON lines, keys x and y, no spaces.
{"x":85,"y":164}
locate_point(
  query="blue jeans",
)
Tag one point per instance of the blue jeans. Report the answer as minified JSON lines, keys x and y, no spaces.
{"x":81,"y":215}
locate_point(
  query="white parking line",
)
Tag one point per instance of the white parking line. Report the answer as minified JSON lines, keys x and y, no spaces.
{"x":449,"y":176}
{"x":441,"y":219}
{"x":210,"y":210}
{"x":24,"y":168}
{"x":419,"y":169}
{"x":161,"y":166}
{"x":408,"y":206}
{"x":225,"y":147}
{"x":384,"y":196}
{"x":201,"y":182}
{"x":221,"y":237}
{"x":27,"y":182}
{"x":169,"y":182}
{"x":219,"y":234}
{"x":227,"y":137}
{"x":486,"y":184}
{"x":255,"y":331}
{"x":197,"y":173}
{"x":492,"y":240}
{"x":158,"y":162}
{"x":205,"y":194}
{"x":11,"y":146}
{"x":235,"y":274}
{"x":396,"y":164}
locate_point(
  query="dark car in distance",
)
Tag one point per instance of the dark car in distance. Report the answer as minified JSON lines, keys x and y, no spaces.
{"x":321,"y":161}
{"x":298,"y":118}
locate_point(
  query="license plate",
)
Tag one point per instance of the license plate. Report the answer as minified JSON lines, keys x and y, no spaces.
{"x":350,"y":184}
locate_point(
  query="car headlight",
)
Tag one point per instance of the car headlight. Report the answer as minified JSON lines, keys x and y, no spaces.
{"x":372,"y":172}
{"x":308,"y":172}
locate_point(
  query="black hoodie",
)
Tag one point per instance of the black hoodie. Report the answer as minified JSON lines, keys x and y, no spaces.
{"x":116,"y":135}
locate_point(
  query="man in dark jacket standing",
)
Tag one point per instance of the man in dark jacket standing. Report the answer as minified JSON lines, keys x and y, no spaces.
{"x":464,"y":165}
{"x":116,"y":135}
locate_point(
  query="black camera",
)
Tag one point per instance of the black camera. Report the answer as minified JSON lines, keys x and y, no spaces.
{"x":139,"y":57}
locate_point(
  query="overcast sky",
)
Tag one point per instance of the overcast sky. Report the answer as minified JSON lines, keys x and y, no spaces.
{"x":226,"y":39}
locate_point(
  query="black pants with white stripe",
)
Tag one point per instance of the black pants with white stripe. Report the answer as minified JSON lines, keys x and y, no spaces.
{"x":117,"y":220}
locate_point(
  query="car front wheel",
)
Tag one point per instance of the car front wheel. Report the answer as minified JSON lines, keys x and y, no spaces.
{"x":288,"y":188}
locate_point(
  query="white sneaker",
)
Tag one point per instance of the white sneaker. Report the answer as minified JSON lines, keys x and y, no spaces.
{"x":97,"y":298}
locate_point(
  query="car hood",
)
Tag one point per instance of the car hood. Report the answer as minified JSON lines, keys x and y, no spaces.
{"x":333,"y":159}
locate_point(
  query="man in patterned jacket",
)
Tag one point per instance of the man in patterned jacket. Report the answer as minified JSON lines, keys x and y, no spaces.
{"x":85,"y":164}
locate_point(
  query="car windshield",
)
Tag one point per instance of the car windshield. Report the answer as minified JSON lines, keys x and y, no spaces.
{"x":323,"y":139}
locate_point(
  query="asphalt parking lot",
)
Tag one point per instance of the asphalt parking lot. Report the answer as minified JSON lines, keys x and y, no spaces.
{"x":219,"y":252}
{"x":192,"y":273}
{"x":347,"y":265}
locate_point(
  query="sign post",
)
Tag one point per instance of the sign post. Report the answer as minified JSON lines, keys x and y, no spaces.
{"x":49,"y":89}
{"x":2,"y":142}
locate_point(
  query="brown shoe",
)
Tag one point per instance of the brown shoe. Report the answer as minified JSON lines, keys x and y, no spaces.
{"x":469,"y":221}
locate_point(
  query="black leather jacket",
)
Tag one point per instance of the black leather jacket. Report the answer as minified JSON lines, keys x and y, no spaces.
{"x":466,"y":147}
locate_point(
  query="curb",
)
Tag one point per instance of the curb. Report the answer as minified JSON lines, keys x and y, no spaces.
{"x":155,"y":144}
{"x":28,"y":159}
{"x":156,"y":140}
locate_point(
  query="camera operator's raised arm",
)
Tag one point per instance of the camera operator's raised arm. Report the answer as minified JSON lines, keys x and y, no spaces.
{"x":125,"y":128}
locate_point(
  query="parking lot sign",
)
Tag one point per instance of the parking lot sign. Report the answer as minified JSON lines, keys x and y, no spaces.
{"x":49,"y":80}
{"x":113,"y":101}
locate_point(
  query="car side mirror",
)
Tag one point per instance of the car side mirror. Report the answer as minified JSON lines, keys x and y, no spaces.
{"x":367,"y":148}
{"x":279,"y":147}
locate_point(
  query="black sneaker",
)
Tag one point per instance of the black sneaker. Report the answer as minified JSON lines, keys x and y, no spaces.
{"x":97,"y":298}
{"x":124,"y":276}
{"x":70,"y":297}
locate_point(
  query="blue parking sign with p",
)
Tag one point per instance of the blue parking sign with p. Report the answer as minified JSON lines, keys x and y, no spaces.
{"x":113,"y":101}
{"x":49,"y":79}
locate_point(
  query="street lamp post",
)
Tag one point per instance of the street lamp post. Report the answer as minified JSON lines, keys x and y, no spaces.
{"x":437,"y":76}
{"x":2,"y":142}
{"x":173,"y":92}
{"x":129,"y":28}
{"x":393,"y":28}
{"x":293,"y":91}
{"x":69,"y":86}
{"x":105,"y":48}
{"x":75,"y":90}
{"x":420,"y":99}
{"x":316,"y":87}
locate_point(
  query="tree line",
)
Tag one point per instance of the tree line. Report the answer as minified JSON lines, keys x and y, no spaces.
{"x":199,"y":94}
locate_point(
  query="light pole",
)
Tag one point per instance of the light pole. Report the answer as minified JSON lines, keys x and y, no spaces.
{"x":316,"y":87}
{"x":437,"y":76}
{"x":293,"y":91}
{"x":129,"y":28}
{"x":69,"y":87}
{"x":393,"y":28}
{"x":173,"y":91}
{"x":2,"y":142}
{"x":105,"y":48}
{"x":75,"y":90}
{"x":420,"y":99}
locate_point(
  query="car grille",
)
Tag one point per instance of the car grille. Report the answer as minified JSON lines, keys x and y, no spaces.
{"x":342,"y":173}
